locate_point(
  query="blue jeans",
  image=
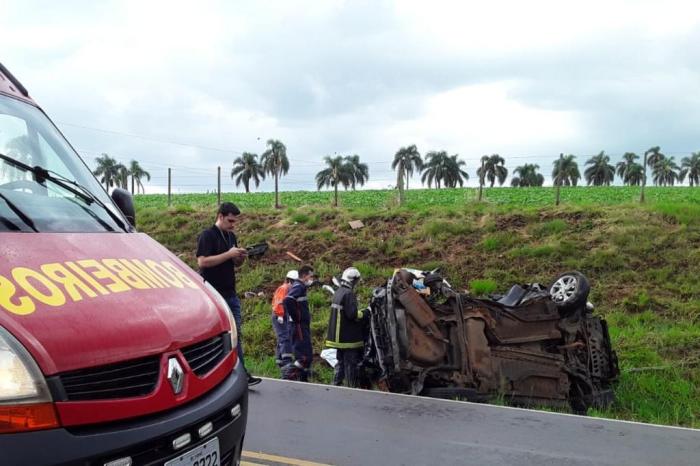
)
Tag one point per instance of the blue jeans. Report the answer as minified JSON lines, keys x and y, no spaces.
{"x":235,"y":304}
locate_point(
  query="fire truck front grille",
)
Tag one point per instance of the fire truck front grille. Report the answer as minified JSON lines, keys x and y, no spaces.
{"x":123,"y":380}
{"x":205,"y":355}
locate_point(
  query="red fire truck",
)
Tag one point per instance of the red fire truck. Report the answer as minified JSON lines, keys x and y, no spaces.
{"x":112,"y":351}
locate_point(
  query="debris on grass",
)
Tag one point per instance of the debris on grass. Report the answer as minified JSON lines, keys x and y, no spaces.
{"x":356,"y":224}
{"x":293,"y":256}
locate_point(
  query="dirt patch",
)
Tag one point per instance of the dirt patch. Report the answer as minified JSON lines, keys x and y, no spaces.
{"x":510,"y":222}
{"x":571,"y":217}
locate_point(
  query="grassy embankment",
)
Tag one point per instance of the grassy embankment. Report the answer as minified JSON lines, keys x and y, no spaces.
{"x":643,"y":263}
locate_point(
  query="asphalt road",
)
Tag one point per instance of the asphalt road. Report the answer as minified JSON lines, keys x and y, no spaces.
{"x":340,"y":426}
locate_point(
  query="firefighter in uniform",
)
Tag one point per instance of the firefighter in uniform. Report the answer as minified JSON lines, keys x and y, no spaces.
{"x":280,"y":321}
{"x":345,"y":330}
{"x":296,"y":306}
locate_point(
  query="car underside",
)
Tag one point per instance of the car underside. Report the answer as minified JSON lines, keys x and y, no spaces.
{"x":534,"y":346}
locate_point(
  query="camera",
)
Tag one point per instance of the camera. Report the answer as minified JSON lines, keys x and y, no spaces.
{"x":257,"y":250}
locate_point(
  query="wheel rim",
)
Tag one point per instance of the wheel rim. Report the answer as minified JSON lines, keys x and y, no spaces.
{"x":564,"y":289}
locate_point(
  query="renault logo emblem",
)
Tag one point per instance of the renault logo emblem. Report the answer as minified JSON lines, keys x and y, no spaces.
{"x":176,"y":375}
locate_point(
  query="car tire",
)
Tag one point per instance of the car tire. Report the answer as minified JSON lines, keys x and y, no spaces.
{"x":569,"y":290}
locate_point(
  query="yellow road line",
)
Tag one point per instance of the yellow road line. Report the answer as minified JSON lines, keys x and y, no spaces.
{"x":248,"y":463}
{"x":280,"y":459}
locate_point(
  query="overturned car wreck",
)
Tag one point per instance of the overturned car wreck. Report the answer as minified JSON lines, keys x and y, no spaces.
{"x":535,"y":346}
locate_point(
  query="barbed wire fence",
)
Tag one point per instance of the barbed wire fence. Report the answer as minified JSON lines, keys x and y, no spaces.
{"x":174,"y":178}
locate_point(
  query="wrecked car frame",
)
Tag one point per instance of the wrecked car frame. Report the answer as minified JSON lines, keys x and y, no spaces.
{"x":534,"y":346}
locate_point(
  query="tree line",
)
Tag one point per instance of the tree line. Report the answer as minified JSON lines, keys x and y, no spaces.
{"x":437,"y":169}
{"x":440,"y":168}
{"x":114,"y":174}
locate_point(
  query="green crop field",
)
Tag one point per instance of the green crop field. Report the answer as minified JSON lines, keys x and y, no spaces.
{"x":581,"y":195}
{"x":643,"y":262}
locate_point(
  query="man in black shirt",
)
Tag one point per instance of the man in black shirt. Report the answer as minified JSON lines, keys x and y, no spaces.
{"x":217,"y":256}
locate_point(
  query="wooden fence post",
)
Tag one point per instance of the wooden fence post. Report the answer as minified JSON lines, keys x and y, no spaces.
{"x":218,"y":186}
{"x":481,"y":179}
{"x":169,"y":185}
{"x":644,"y":179}
{"x":557,"y":179}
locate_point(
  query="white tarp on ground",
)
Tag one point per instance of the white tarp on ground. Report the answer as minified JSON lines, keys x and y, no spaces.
{"x":329,"y":355}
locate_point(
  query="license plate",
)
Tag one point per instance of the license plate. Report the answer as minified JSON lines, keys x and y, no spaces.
{"x":203,"y":455}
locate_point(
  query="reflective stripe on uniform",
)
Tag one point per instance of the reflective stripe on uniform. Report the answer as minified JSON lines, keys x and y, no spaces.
{"x":338,"y":345}
{"x":302,"y":298}
{"x":337,"y":322}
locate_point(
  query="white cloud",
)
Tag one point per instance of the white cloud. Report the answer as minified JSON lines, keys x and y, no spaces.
{"x":479,"y":119}
{"x":515,"y":78}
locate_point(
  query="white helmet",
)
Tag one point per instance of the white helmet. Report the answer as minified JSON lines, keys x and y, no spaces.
{"x":293,"y":275}
{"x":351,"y":276}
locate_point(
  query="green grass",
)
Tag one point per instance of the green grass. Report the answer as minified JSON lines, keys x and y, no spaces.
{"x":686,"y":214}
{"x":643,"y":262}
{"x":497,"y":242}
{"x":482,"y":287}
{"x":551,"y":227}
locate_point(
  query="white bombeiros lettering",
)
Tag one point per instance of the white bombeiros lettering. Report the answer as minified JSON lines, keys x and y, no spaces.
{"x":56,"y":283}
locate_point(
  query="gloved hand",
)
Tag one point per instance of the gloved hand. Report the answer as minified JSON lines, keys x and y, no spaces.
{"x":280,"y":320}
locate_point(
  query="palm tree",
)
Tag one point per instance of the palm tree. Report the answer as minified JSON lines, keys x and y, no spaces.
{"x":651,"y":157}
{"x":123,"y":179}
{"x":634,"y":176}
{"x":527,"y":176}
{"x":690,"y":167}
{"x":600,"y":172}
{"x":665,"y":172}
{"x":338,"y":172}
{"x":455,"y":175}
{"x":137,"y":173}
{"x":109,"y":171}
{"x":274,"y":161}
{"x":405,"y":161}
{"x":565,"y":171}
{"x":246,"y":168}
{"x":494,"y":169}
{"x":435,"y":168}
{"x":359,"y":172}
{"x":623,"y":166}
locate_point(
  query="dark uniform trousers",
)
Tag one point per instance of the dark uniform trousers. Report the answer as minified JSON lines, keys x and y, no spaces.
{"x":347,"y":367}
{"x":346,"y":336}
{"x":297,"y":307}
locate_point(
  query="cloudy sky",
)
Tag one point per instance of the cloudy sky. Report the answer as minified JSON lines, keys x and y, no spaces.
{"x":191,"y":85}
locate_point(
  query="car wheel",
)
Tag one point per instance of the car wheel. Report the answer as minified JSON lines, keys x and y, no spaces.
{"x":569,"y":290}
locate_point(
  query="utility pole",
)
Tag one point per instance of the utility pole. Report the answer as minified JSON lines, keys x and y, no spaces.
{"x":218,"y":186}
{"x":481,"y":179}
{"x":644,"y":179}
{"x":169,"y":185}
{"x":557,"y":179}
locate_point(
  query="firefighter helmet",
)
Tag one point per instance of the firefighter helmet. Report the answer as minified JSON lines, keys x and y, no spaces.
{"x":350,"y":276}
